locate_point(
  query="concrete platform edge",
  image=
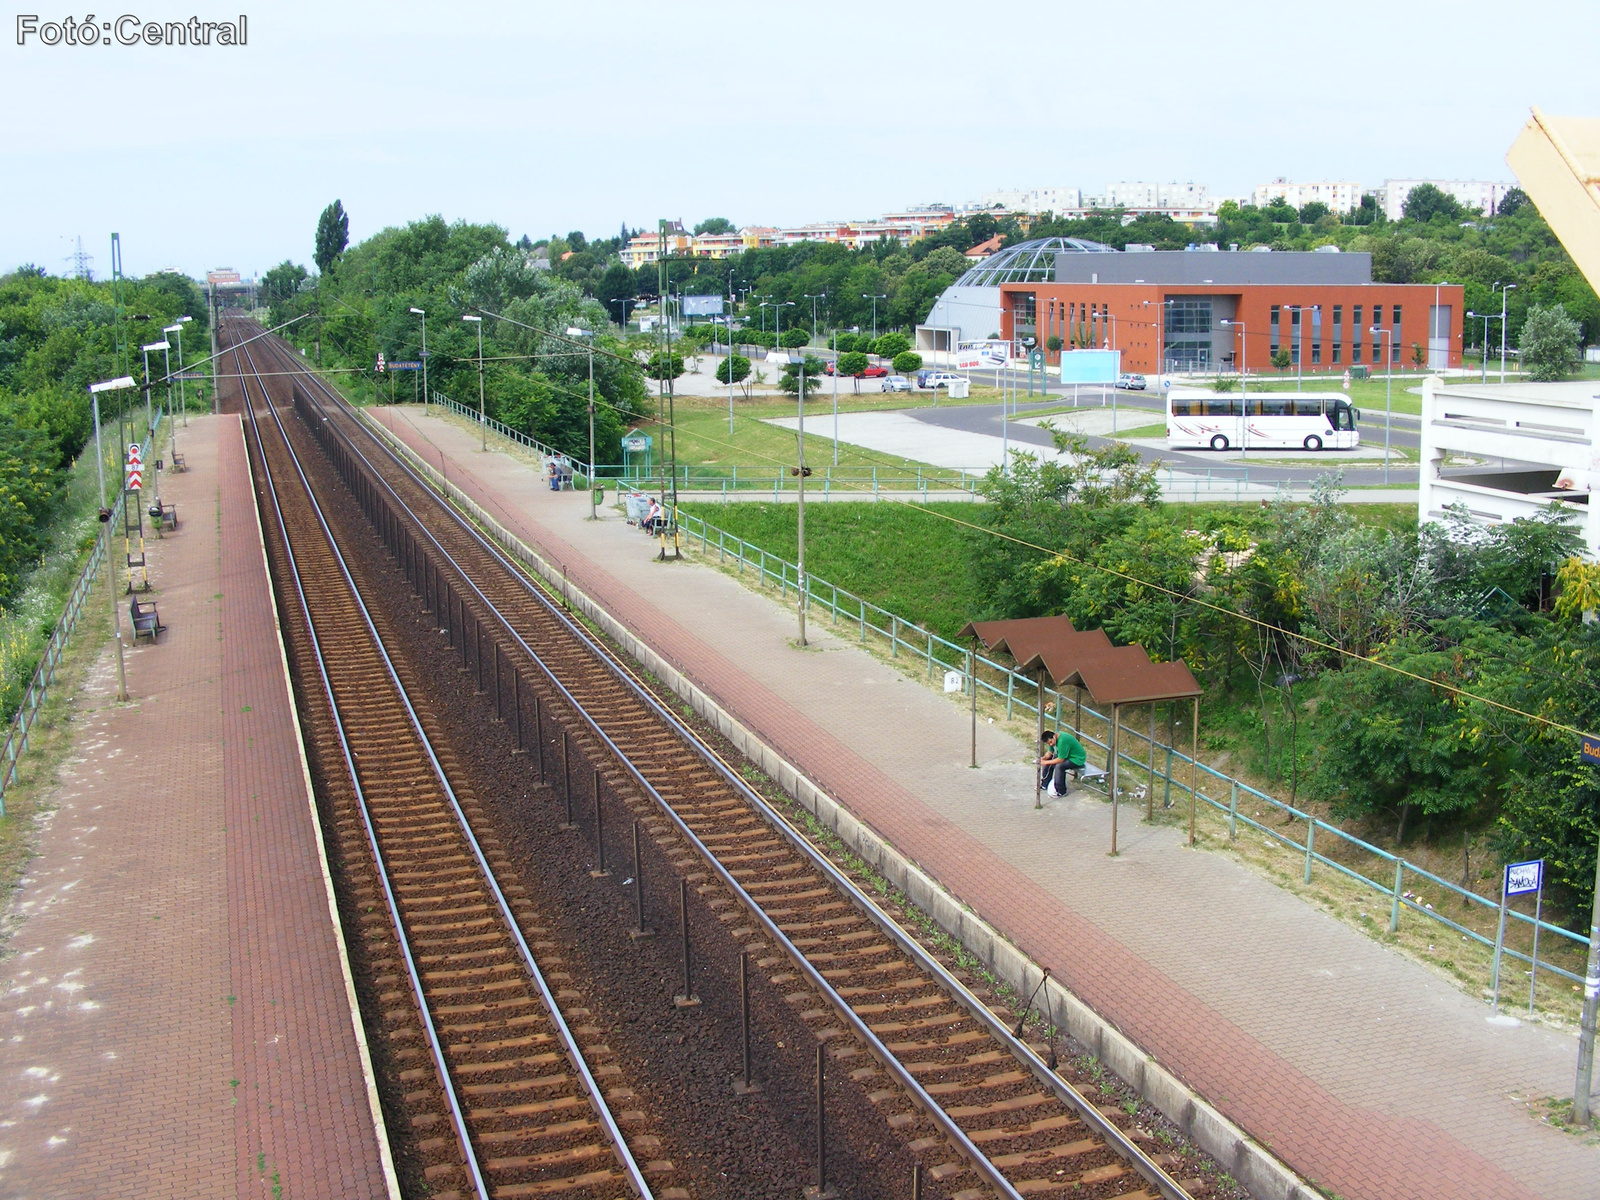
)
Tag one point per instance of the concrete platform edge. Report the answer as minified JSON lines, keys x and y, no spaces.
{"x":1259,"y":1171}
{"x":369,"y":1077}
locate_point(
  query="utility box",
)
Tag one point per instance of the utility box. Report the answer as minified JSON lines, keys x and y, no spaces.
{"x":960,"y":389}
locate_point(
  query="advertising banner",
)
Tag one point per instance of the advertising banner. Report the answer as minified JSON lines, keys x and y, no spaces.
{"x":990,"y":355}
{"x":1091,"y":366}
{"x":702,"y":306}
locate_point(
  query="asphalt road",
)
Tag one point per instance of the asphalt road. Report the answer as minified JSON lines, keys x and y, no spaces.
{"x":1146,"y":408}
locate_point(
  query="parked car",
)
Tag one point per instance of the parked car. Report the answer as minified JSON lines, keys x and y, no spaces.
{"x":1129,"y":382}
{"x":897,"y":383}
{"x":937,"y":379}
{"x":875,"y":372}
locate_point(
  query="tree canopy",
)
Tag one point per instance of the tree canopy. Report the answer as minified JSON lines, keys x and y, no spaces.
{"x":333,"y":235}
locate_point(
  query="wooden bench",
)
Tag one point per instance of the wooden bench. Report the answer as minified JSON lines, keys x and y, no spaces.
{"x":168,"y":516}
{"x":177,"y":462}
{"x":146,"y":620}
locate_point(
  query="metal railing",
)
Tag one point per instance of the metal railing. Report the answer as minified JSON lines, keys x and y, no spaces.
{"x":907,"y":637}
{"x":515,"y":436}
{"x":44,"y":674}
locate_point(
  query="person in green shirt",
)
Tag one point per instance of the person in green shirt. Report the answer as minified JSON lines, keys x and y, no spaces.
{"x":1060,"y":753}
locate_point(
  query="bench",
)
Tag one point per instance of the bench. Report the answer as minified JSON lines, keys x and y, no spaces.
{"x":1089,"y":773}
{"x":146,"y":620}
{"x":177,"y":462}
{"x":167,"y":515}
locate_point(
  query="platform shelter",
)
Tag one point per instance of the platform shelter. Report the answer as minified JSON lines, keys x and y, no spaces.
{"x":1087,"y":661}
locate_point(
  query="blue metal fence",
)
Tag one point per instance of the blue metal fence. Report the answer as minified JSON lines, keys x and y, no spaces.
{"x":907,"y":637}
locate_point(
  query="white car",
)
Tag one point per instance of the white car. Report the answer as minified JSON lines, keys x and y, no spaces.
{"x":941,"y":379}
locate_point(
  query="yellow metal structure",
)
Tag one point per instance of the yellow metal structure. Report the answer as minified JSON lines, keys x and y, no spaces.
{"x":1557,"y":162}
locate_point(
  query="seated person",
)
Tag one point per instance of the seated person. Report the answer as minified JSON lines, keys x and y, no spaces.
{"x":1061,"y":753}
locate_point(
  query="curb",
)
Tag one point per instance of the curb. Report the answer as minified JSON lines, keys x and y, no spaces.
{"x":1256,"y":1169}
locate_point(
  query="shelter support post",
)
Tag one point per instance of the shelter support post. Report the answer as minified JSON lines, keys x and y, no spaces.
{"x":1111,"y":772}
{"x":1194,"y":767}
{"x":972,"y":686}
{"x":1038,"y":739}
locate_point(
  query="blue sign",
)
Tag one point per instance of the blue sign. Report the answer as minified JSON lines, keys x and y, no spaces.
{"x":405,"y":366}
{"x":1091,"y":366}
{"x":1524,"y":877}
{"x":1589,"y":750}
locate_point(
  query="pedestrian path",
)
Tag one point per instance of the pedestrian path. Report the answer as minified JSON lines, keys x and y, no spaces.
{"x":1367,"y":1073}
{"x":178,"y":1018}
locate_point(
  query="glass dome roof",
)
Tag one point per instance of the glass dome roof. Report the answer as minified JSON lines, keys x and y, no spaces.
{"x":1028,"y":262}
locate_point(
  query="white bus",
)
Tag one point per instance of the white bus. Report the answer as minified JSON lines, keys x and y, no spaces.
{"x":1199,"y":417}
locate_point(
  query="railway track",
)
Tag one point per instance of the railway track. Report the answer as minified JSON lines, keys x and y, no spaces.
{"x":504,"y":1094}
{"x":983,"y":1109}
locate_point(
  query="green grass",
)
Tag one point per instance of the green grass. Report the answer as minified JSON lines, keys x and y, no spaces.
{"x":892,"y":555}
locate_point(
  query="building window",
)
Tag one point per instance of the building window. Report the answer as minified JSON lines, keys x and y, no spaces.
{"x":1394,"y":337}
{"x":1188,"y":333}
{"x":1338,"y":352}
{"x":1275,"y":328}
{"x":1355,"y":348}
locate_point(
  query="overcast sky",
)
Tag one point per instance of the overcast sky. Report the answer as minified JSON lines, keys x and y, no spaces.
{"x":550,"y":117}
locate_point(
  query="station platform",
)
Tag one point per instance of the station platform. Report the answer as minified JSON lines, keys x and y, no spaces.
{"x":1365,"y":1072}
{"x":178,"y":1014}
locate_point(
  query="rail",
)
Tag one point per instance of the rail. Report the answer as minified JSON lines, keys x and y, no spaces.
{"x":44,"y":674}
{"x":980,"y":1162}
{"x":569,"y":1044}
{"x":1013,"y":688}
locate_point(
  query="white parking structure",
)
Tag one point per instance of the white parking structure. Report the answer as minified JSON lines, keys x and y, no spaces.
{"x":1509,"y":450}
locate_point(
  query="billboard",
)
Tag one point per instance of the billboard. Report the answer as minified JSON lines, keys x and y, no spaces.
{"x":702,"y":306}
{"x":225,"y":275}
{"x":1091,"y":366}
{"x":988,"y":355}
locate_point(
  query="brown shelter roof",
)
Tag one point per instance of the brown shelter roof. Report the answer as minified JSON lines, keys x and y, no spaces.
{"x":1085,"y":658}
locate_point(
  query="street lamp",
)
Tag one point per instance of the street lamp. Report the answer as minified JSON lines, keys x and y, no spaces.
{"x":426,"y":398}
{"x":483,"y":415}
{"x":1388,"y":390}
{"x":587,"y":337}
{"x":1485,"y":318}
{"x":144,"y":351}
{"x":1300,"y":339}
{"x":874,"y":298}
{"x":1161,"y":339}
{"x":110,"y":385}
{"x":177,"y":327}
{"x":1503,"y":291}
{"x":1244,"y":423}
{"x":814,"y":299}
{"x":622,"y":303}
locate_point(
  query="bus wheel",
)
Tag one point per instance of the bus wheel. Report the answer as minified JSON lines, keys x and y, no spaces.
{"x":1219,"y":442}
{"x":1313,"y":442}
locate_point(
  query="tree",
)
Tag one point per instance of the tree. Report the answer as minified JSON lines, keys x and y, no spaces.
{"x":1425,"y":202}
{"x":790,"y":382}
{"x":907,"y":361}
{"x":1548,"y":344}
{"x":845,"y":343}
{"x":333,"y":235}
{"x":740,"y":365}
{"x":1282,"y":360}
{"x":793,"y":339}
{"x":282,"y":282}
{"x":1510,"y":202}
{"x":890,"y":344}
{"x":1310,"y":213}
{"x":1281,"y":212}
{"x":1419,"y":356}
{"x":714,"y":225}
{"x":664,"y":366}
{"x":854,"y":364}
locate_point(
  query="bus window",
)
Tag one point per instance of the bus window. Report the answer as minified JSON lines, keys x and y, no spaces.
{"x":1343,"y":416}
{"x":1277,"y":407}
{"x":1222,"y":408}
{"x":1185,"y":408}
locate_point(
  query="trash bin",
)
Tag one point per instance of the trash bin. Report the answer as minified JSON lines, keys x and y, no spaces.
{"x":960,"y":389}
{"x":634,"y":504}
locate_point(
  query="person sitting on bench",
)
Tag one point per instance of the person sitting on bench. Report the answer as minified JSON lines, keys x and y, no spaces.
{"x":1061,"y":753}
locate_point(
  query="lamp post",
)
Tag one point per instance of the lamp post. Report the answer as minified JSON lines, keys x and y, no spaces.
{"x":110,"y":385}
{"x":622,"y":303}
{"x":587,"y":337}
{"x":149,"y":414}
{"x":1244,"y":422}
{"x":1161,"y":338}
{"x":814,"y":299}
{"x":1503,"y":291}
{"x":1299,"y":311}
{"x":1388,"y":390}
{"x":483,"y":415}
{"x":800,"y":504}
{"x":874,"y":298}
{"x":183,"y":401}
{"x":426,"y":397}
{"x":172,"y":426}
{"x":1485,"y":318}
{"x":728,"y":320}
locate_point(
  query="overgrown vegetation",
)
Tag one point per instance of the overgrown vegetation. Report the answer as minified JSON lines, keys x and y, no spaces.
{"x":56,"y":337}
{"x":1349,"y":658}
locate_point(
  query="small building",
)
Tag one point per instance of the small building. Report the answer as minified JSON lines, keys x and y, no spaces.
{"x":1509,"y":450}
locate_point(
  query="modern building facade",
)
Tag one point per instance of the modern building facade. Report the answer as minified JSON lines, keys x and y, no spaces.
{"x":1201,"y":311}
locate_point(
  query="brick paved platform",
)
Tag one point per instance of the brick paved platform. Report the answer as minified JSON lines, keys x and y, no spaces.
{"x":177,"y":1018}
{"x":1364,"y":1071}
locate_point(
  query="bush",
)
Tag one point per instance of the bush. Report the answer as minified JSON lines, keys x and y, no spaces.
{"x":760,"y":337}
{"x":793,"y":339}
{"x":907,"y":361}
{"x":1052,"y":344}
{"x":845,"y":343}
{"x":663,"y":366}
{"x":1548,"y":344}
{"x":891,"y":344}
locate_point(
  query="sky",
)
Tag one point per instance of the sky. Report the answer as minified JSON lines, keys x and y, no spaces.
{"x":545,"y":118}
